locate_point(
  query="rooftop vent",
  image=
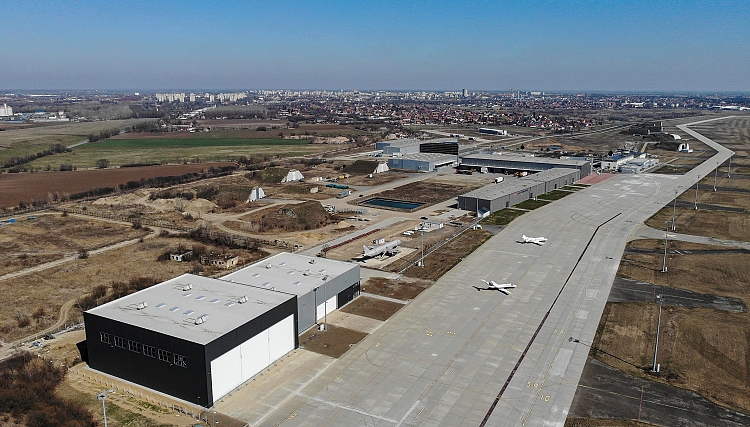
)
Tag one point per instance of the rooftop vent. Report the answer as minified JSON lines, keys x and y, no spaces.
{"x":141,"y":305}
{"x":228,"y":304}
{"x":312,"y":261}
{"x":307,"y":272}
{"x":160,"y":305}
{"x":256,"y":274}
{"x":175,"y":308}
{"x":269,"y":266}
{"x":187,"y":294}
{"x":266,"y":283}
{"x":186,"y":287}
{"x":242,"y":299}
{"x":200,"y":297}
{"x":215,"y":300}
{"x":282,"y":263}
{"x":290,"y":272}
{"x":188,"y":312}
{"x":200,"y":320}
{"x":297,"y":283}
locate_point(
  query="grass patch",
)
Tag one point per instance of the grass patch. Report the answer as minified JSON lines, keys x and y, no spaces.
{"x":193,"y":142}
{"x":445,"y":258}
{"x":671,"y":170}
{"x":503,"y":216}
{"x":531,"y":204}
{"x":555,"y":195}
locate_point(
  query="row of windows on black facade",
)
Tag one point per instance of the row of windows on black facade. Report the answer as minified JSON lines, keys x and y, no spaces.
{"x":150,"y":351}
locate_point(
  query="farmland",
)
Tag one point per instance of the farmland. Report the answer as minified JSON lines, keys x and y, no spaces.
{"x":27,"y":187}
{"x":179,"y":148}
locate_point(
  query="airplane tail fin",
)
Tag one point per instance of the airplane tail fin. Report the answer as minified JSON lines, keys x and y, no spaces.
{"x":365,"y":248}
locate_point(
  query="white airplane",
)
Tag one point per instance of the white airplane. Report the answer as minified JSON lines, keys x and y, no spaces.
{"x":494,"y":286}
{"x":536,"y":240}
{"x":388,"y":248}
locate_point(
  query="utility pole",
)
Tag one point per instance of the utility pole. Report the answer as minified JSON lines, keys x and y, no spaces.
{"x":660,"y":297}
{"x":716,"y":172}
{"x":421,"y":261}
{"x":666,"y":239}
{"x":729,"y":169}
{"x":696,"y":196}
{"x":674,"y":209}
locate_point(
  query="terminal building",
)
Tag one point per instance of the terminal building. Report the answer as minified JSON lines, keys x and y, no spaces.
{"x":510,"y":192}
{"x":511,"y":163}
{"x":198,"y":338}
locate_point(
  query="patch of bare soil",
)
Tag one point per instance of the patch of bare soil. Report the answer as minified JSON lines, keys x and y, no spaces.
{"x":30,"y":242}
{"x":706,"y":351}
{"x":588,"y":422}
{"x":400,"y":289}
{"x":443,"y":259}
{"x":373,"y":308}
{"x":333,"y":342}
{"x":293,"y":217}
{"x":719,"y":224}
{"x":718,"y":273}
{"x":428,"y":192}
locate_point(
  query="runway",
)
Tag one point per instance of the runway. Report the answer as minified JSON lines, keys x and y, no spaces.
{"x":458,"y":357}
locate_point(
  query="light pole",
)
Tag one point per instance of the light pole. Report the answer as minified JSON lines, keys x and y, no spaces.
{"x":213,"y":418}
{"x":674,"y":209}
{"x":101,"y":396}
{"x":325,"y":304}
{"x":421,"y":262}
{"x":716,"y":172}
{"x":695,"y":206}
{"x":666,"y":238}
{"x":729,"y":169}
{"x":660,"y":297}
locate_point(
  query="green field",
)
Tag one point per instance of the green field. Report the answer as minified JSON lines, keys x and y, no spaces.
{"x":218,"y":146}
{"x":503,"y":216}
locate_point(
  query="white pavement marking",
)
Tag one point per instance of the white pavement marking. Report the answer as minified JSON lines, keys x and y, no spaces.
{"x":349,"y":408}
{"x":401,"y":421}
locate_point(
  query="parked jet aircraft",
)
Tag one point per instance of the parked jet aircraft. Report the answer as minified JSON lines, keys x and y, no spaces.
{"x":388,"y":248}
{"x":494,"y":286}
{"x":536,"y":240}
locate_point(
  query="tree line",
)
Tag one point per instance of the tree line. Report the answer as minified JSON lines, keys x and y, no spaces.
{"x":15,"y":161}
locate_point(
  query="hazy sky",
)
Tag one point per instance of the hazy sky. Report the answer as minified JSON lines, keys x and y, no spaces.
{"x":625,"y":45}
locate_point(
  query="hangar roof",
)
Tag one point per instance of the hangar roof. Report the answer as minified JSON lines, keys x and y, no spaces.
{"x":291,"y":273}
{"x":522,"y":158}
{"x":175,"y":306}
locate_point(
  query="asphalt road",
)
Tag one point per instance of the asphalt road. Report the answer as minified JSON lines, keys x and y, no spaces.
{"x":457,"y":357}
{"x":607,"y":393}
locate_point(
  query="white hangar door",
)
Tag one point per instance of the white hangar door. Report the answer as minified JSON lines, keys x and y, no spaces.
{"x":241,"y":363}
{"x":326,"y":307}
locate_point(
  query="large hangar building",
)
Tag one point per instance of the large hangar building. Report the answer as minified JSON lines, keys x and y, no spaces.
{"x":192,"y":337}
{"x":517,"y":162}
{"x":321,"y":285}
{"x":198,"y":338}
{"x":511,"y":192}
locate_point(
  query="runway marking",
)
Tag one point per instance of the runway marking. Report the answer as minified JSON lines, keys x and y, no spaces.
{"x":401,"y":421}
{"x":359,"y":411}
{"x":541,"y":324}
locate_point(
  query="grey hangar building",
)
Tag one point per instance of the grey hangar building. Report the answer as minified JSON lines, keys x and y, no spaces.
{"x":198,"y":338}
{"x":509,"y":163}
{"x":493,"y":197}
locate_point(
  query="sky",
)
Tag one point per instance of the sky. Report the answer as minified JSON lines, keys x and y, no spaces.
{"x":566,"y":45}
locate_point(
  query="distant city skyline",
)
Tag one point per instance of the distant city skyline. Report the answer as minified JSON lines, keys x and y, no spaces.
{"x":640,"y":46}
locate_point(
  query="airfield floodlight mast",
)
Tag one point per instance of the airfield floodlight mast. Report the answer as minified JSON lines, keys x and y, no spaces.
{"x":666,"y":238}
{"x":656,"y":368}
{"x":674,"y":209}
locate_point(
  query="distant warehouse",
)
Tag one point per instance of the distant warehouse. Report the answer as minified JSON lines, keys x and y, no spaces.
{"x":510,"y":163}
{"x":509,"y":193}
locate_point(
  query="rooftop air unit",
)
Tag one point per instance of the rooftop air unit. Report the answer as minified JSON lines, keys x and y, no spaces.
{"x":200,"y":319}
{"x":141,"y":305}
{"x":186,"y":287}
{"x":242,"y":299}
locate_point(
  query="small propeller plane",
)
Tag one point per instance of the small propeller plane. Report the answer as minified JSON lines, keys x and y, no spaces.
{"x":494,"y":286}
{"x":536,"y":240}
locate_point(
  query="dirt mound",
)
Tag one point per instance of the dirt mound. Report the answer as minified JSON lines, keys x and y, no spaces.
{"x":297,"y":217}
{"x":268,"y":175}
{"x":362,"y":166}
